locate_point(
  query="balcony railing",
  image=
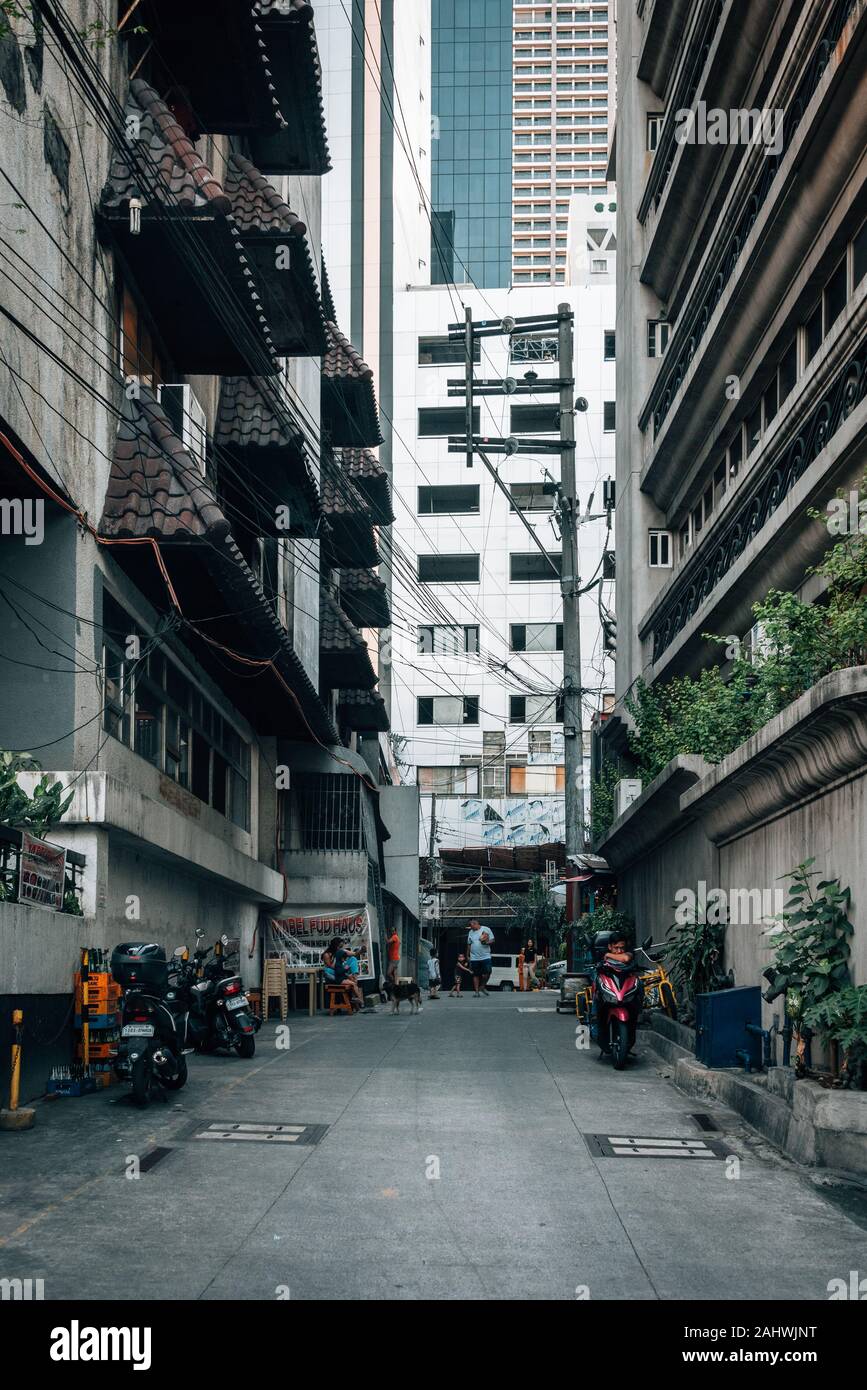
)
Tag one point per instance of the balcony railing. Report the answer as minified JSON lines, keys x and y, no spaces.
{"x":323,"y":812}
{"x":711,"y":563}
{"x":10,"y":870}
{"x":698,"y":316}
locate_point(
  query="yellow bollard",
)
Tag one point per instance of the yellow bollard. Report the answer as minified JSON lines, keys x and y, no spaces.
{"x":13,"y":1118}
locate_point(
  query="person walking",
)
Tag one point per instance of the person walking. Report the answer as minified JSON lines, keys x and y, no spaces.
{"x":461,"y":970}
{"x":530,"y":964}
{"x":480,"y":940}
{"x":433,"y":978}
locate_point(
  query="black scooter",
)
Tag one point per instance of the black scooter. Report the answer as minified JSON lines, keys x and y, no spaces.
{"x":219,"y":1014}
{"x":153,"y":1022}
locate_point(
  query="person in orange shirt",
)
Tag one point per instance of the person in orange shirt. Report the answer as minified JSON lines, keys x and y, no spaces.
{"x":393,"y":944}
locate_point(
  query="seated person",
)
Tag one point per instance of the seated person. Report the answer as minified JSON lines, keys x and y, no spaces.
{"x":345,"y":965}
{"x":618,"y":949}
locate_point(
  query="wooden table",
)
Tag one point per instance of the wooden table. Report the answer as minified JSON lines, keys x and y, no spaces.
{"x":314,"y":975}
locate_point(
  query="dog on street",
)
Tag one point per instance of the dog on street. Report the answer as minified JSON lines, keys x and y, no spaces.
{"x":404,"y":989}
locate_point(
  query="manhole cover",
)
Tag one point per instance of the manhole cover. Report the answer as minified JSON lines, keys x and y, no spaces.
{"x":645,"y":1146}
{"x":259,"y":1132}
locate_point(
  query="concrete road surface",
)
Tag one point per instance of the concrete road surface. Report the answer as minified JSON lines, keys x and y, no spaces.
{"x":443,"y":1156}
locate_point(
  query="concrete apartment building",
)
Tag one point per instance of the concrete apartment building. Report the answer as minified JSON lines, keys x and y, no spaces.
{"x":177,"y":397}
{"x":741,"y":312}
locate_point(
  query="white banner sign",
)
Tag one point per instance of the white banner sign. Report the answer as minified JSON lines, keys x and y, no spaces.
{"x":301,"y":939}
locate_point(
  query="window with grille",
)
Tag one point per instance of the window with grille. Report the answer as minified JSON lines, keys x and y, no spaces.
{"x":447,"y":709}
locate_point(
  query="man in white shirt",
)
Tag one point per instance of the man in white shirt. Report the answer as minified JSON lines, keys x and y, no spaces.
{"x":480,"y":940}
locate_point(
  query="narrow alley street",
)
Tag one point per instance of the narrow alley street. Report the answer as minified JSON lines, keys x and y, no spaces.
{"x":492,"y":1095}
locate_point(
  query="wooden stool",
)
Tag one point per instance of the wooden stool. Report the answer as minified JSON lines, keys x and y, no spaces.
{"x":339,"y":999}
{"x":274,"y":987}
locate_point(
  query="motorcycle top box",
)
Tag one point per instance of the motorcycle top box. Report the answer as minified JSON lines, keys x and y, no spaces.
{"x":140,"y":963}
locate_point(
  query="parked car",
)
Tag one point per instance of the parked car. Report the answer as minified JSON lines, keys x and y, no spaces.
{"x":504,"y":972}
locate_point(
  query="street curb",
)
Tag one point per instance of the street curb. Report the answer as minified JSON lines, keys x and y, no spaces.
{"x":813,"y":1126}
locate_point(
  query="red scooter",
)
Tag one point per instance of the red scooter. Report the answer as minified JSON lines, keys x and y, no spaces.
{"x":616,"y":1003}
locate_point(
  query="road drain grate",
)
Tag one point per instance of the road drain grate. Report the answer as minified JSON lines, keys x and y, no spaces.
{"x":259,"y":1132}
{"x":645,"y":1146}
{"x":706,"y":1122}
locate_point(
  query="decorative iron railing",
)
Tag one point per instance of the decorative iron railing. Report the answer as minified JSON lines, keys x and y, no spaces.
{"x":672,"y":375}
{"x":711,"y":563}
{"x":663,"y":159}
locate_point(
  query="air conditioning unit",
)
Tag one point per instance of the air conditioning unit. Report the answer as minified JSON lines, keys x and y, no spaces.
{"x":628,"y":789}
{"x":187,"y":419}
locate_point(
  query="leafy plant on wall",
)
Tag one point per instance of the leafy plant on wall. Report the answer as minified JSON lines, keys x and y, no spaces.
{"x":37,"y":813}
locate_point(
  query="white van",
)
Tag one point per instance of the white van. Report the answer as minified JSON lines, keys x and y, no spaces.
{"x":504,"y":972}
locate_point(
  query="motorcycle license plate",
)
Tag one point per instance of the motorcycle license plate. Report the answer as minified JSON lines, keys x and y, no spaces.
{"x":137,"y":1030}
{"x":240,"y":1003}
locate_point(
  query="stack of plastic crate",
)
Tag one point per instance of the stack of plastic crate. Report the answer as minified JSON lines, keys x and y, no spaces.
{"x":97,"y":1003}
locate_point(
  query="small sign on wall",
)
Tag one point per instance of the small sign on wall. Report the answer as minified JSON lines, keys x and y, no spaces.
{"x":41,"y":874}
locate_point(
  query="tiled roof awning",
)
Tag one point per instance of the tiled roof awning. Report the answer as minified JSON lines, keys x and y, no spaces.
{"x":351,"y":542}
{"x":157,"y":492}
{"x":349,"y":410}
{"x":371,"y":480}
{"x":343,"y":655}
{"x":301,"y":146}
{"x":269,"y":470}
{"x":214,"y":51}
{"x":186,"y":257}
{"x":274,"y":239}
{"x":364,"y":598}
{"x":362,"y":710}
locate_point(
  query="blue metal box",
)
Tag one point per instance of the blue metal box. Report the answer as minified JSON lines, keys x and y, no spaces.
{"x":721,"y":1026}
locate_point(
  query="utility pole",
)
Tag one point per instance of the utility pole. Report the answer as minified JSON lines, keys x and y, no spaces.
{"x":468,"y":381}
{"x":573,"y":737}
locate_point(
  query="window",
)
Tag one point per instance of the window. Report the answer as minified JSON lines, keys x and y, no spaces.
{"x":835,"y":295}
{"x":788,"y":374}
{"x":720,"y":482}
{"x":138,"y":355}
{"x":448,"y":640}
{"x":659,"y":549}
{"x":685,"y":540}
{"x":657,"y":336}
{"x":447,"y":709}
{"x":813,"y":333}
{"x":448,"y":569}
{"x":152,"y":707}
{"x":433,"y":501}
{"x":770,"y":401}
{"x":443,"y":351}
{"x":449,"y":781}
{"x":535,"y":709}
{"x":859,"y":256}
{"x":736,"y":452}
{"x":532,"y":497}
{"x":754,"y":429}
{"x":537,"y":781}
{"x":609,"y":417}
{"x":609,"y":345}
{"x":439,"y":420}
{"x":654,"y":127}
{"x":535,"y":568}
{"x":536,"y":637}
{"x":535,"y":419}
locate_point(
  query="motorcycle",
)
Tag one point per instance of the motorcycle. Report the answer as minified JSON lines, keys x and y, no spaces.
{"x":219,"y":1014}
{"x":617,"y":1001}
{"x":153,"y":1022}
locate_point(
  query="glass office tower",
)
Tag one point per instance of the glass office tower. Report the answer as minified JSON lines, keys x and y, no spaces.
{"x":471,"y":147}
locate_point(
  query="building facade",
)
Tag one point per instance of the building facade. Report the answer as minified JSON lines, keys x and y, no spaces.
{"x":741,"y":279}
{"x":190,"y":432}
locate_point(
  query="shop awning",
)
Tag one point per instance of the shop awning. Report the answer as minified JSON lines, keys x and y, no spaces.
{"x":301,"y":145}
{"x":344,"y":660}
{"x":269,"y":466}
{"x":364,"y":598}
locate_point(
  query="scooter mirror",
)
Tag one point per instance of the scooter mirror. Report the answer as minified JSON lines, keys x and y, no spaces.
{"x":179,"y":952}
{"x":224,"y":939}
{"x":200,"y":931}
